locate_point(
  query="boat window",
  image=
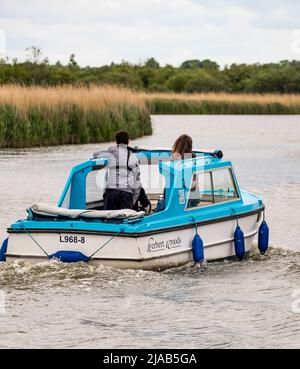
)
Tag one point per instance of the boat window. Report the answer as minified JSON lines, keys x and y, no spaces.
{"x":212,"y":187}
{"x":95,"y":182}
{"x":200,"y":191}
{"x":223,"y":185}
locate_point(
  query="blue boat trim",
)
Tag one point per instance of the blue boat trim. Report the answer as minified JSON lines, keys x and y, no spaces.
{"x":173,"y":216}
{"x":137,"y":234}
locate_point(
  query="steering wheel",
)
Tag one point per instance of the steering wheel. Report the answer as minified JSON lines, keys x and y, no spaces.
{"x":148,"y":209}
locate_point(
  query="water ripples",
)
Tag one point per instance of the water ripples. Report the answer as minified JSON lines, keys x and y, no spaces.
{"x":220,"y":305}
{"x":255,"y":303}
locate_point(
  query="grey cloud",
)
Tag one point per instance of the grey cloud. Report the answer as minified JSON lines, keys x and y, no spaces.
{"x":101,"y":31}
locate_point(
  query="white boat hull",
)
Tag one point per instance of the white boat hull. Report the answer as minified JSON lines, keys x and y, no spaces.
{"x":156,"y":251}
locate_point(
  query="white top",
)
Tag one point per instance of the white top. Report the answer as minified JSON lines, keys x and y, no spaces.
{"x":45,"y":209}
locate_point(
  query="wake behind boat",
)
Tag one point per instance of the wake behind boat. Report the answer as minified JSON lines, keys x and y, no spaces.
{"x":197,"y":212}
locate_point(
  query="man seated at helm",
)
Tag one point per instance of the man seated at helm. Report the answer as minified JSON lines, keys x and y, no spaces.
{"x":123,"y":185}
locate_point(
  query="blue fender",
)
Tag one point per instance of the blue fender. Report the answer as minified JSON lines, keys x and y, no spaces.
{"x":69,"y":256}
{"x":198,"y":249}
{"x":239,"y":243}
{"x":3,"y":250}
{"x":263,"y":238}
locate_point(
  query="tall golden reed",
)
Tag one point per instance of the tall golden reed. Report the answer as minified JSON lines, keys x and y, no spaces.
{"x":87,"y":97}
{"x":100,"y":96}
{"x":40,"y":116}
{"x":225,"y":97}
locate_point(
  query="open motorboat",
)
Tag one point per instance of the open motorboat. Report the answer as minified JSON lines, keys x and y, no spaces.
{"x":198,"y":212}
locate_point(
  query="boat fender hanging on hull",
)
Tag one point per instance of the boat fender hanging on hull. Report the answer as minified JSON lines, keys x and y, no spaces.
{"x":198,"y":248}
{"x":69,"y":256}
{"x":3,"y":250}
{"x":263,"y":237}
{"x":239,"y":243}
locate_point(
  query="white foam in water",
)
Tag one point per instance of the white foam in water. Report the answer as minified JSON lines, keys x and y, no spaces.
{"x":224,"y":304}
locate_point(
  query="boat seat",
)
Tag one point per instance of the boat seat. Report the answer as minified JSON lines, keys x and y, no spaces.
{"x":46,"y":210}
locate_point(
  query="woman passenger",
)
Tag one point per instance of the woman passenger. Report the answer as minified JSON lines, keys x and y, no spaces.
{"x":182,"y":148}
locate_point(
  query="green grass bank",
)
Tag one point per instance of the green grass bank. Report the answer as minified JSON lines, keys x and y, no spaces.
{"x":69,"y":124}
{"x":175,"y":106}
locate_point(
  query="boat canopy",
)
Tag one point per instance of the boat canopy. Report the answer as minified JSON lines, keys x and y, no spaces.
{"x":84,"y":189}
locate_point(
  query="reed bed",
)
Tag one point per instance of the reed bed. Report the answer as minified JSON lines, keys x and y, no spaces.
{"x":40,"y":116}
{"x":228,"y":97}
{"x":221,"y":103}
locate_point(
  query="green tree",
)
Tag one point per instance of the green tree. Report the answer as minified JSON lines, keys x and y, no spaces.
{"x":122,"y":79}
{"x":151,"y":63}
{"x":205,"y":83}
{"x":178,"y":82}
{"x":196,"y":63}
{"x":209,"y":65}
{"x":146,"y":75}
{"x":191,"y":64}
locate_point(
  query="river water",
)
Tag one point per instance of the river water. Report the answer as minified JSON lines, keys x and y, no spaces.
{"x":252,"y":304}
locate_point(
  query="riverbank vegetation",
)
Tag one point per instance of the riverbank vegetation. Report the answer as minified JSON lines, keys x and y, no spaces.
{"x":40,"y":116}
{"x":221,"y":103}
{"x":54,"y":104}
{"x":192,"y":76}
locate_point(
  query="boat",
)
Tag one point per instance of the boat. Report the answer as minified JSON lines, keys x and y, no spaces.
{"x":196,"y":206}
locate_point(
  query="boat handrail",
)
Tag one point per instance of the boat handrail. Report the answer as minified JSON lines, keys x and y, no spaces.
{"x":216,"y":153}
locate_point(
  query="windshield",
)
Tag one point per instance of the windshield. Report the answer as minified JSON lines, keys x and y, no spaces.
{"x":211,"y":187}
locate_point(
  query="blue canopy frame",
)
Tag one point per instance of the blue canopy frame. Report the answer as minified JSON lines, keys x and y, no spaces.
{"x":178,"y":176}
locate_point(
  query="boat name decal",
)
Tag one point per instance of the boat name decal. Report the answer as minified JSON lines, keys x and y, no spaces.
{"x":154,"y":245}
{"x":71,"y":239}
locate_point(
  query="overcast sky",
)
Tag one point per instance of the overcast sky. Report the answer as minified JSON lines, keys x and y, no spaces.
{"x":102,"y":31}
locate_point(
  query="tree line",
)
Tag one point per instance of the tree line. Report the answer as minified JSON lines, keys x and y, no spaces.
{"x":191,"y":76}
